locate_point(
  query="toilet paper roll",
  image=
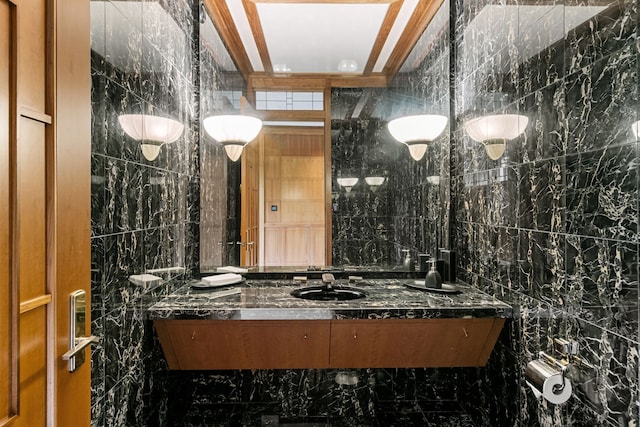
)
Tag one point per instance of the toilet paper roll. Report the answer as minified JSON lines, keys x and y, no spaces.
{"x":546,"y":381}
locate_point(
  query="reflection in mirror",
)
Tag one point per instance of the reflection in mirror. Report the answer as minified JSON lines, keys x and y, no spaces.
{"x":397,"y":203}
{"x":221,"y":89}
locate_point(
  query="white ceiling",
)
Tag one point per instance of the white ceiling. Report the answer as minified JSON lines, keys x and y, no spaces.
{"x":314,"y":38}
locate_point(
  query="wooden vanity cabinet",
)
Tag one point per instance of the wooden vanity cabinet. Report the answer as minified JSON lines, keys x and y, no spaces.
{"x":409,"y":343}
{"x":244,"y":344}
{"x":297,"y":344}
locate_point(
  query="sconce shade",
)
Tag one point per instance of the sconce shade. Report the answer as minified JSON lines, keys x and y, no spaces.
{"x":498,"y":126}
{"x":143,"y":127}
{"x":233,"y":132}
{"x":495,"y":130}
{"x":636,"y":128}
{"x":374,"y":180}
{"x":348,"y":183}
{"x":151,"y":128}
{"x":416,"y":131}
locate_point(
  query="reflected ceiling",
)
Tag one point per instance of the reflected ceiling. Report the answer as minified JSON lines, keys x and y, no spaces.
{"x":363,"y":41}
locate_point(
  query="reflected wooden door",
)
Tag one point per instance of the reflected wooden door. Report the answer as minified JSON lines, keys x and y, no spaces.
{"x":294,"y":196}
{"x":44,"y":207}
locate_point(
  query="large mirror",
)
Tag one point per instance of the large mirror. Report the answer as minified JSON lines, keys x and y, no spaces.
{"x":397,"y":205}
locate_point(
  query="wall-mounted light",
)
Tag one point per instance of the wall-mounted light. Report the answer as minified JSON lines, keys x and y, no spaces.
{"x":348,"y":183}
{"x":375,"y":181}
{"x":636,"y":129}
{"x":495,"y":130}
{"x":152,"y":130}
{"x":233,"y":132}
{"x":416,"y":131}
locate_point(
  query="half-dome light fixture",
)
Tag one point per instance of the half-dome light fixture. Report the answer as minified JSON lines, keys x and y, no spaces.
{"x":495,"y":130}
{"x":348,"y":183}
{"x":416,"y":131}
{"x":152,"y":130}
{"x":374,"y":181}
{"x":233,"y":132}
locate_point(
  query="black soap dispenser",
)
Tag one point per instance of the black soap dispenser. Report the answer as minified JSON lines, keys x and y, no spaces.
{"x":433,"y":279}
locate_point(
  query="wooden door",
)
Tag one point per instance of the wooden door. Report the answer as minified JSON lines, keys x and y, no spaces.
{"x":44,"y":207}
{"x":294,"y":197}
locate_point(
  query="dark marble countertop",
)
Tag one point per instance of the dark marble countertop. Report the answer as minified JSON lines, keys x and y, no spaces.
{"x":272,"y":300}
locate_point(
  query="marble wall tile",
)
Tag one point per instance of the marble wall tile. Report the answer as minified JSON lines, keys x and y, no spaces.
{"x":573,"y":69}
{"x":602,"y":193}
{"x":602,"y":281}
{"x":542,"y":195}
{"x":546,"y":134}
{"x":602,"y":102}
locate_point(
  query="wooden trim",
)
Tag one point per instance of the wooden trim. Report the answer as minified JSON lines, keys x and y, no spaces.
{"x":14,"y":220}
{"x":383,"y":34}
{"x":222,"y":20}
{"x":313,"y":81}
{"x":258,"y":34}
{"x":35,"y":115}
{"x":291,"y":115}
{"x":328,"y":202}
{"x":34,"y":303}
{"x":293,"y":130}
{"x":422,"y":16}
{"x":327,"y":1}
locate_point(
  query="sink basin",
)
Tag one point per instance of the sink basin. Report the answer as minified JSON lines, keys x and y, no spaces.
{"x":336,"y":293}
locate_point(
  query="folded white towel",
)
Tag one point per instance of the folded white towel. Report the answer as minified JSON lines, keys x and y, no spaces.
{"x":222,"y":279}
{"x":232,"y":269}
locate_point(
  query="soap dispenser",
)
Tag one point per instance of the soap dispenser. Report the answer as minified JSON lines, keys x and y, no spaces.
{"x":408,"y":263}
{"x":433,"y":279}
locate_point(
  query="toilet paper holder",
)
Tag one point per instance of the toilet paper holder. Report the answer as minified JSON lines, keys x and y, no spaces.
{"x":563,"y":365}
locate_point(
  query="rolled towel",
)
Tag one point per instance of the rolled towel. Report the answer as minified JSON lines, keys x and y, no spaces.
{"x":222,"y":279}
{"x":231,"y":269}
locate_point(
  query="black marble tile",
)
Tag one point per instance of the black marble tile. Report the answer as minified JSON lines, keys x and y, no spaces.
{"x":602,"y":193}
{"x":602,"y":102}
{"x":542,"y":195}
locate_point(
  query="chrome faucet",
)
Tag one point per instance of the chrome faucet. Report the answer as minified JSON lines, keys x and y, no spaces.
{"x":328,"y":280}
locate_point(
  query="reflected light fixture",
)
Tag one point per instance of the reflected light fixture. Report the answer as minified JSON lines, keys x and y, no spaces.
{"x":416,"y":131}
{"x":233,"y":132}
{"x":152,"y":130}
{"x":347,"y":183}
{"x":495,"y":130}
{"x":636,"y":128}
{"x":374,"y":181}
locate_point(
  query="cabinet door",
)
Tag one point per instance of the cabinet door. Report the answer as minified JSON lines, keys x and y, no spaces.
{"x":244,"y":344}
{"x":412,"y":342}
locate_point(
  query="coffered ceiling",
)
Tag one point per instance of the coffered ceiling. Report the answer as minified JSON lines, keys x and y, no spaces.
{"x":315,"y":43}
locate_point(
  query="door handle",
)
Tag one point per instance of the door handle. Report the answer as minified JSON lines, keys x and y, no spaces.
{"x":80,"y":344}
{"x":77,"y":327}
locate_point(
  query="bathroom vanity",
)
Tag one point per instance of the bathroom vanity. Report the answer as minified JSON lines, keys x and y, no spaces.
{"x":264,"y":327}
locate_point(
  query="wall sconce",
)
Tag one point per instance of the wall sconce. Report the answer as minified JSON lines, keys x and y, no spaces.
{"x":348,"y":183}
{"x":152,"y":130}
{"x":416,"y":131}
{"x":494,"y":131}
{"x":636,"y":128}
{"x":233,"y":132}
{"x":374,"y":181}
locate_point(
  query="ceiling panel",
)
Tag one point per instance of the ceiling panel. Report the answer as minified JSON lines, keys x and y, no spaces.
{"x":315,"y":38}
